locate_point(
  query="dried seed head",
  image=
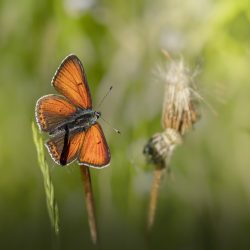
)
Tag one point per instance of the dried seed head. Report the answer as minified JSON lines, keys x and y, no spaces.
{"x":178,"y":107}
{"x":160,"y":147}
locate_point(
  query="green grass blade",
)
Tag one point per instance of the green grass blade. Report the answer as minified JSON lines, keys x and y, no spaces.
{"x":48,"y":185}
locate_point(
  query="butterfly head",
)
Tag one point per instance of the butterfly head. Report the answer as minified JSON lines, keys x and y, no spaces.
{"x":97,"y":114}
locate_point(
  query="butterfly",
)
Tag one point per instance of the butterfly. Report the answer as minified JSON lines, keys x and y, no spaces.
{"x":70,"y":120}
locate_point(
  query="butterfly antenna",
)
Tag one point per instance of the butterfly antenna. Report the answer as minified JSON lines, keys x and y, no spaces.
{"x":116,"y":130}
{"x":99,"y":104}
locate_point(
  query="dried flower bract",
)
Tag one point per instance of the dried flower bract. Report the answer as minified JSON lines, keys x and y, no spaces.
{"x":160,"y":147}
{"x":178,"y":107}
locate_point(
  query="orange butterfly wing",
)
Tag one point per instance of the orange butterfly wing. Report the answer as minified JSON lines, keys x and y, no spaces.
{"x":51,"y":111}
{"x":56,"y":146}
{"x":95,"y":150}
{"x":70,"y":80}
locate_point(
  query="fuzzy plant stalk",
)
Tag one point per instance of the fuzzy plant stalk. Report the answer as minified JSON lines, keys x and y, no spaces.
{"x":90,"y":204}
{"x":52,"y":206}
{"x":178,"y":116}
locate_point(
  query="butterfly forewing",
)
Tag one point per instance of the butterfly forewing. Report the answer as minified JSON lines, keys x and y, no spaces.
{"x":51,"y":111}
{"x":94,"y":151}
{"x":64,"y":151}
{"x":70,"y":80}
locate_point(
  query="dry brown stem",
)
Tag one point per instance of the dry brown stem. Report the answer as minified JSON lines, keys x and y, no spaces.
{"x":90,"y":206}
{"x":158,"y":174}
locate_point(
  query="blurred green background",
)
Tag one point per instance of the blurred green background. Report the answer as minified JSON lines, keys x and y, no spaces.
{"x":205,"y":203}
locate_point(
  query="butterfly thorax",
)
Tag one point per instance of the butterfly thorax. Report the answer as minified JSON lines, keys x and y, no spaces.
{"x":81,"y":120}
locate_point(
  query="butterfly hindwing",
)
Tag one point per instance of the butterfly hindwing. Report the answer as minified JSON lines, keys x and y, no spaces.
{"x":64,"y":148}
{"x":70,"y":80}
{"x":95,"y":150}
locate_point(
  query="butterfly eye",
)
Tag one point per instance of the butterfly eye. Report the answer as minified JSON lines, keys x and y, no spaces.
{"x":98,"y":114}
